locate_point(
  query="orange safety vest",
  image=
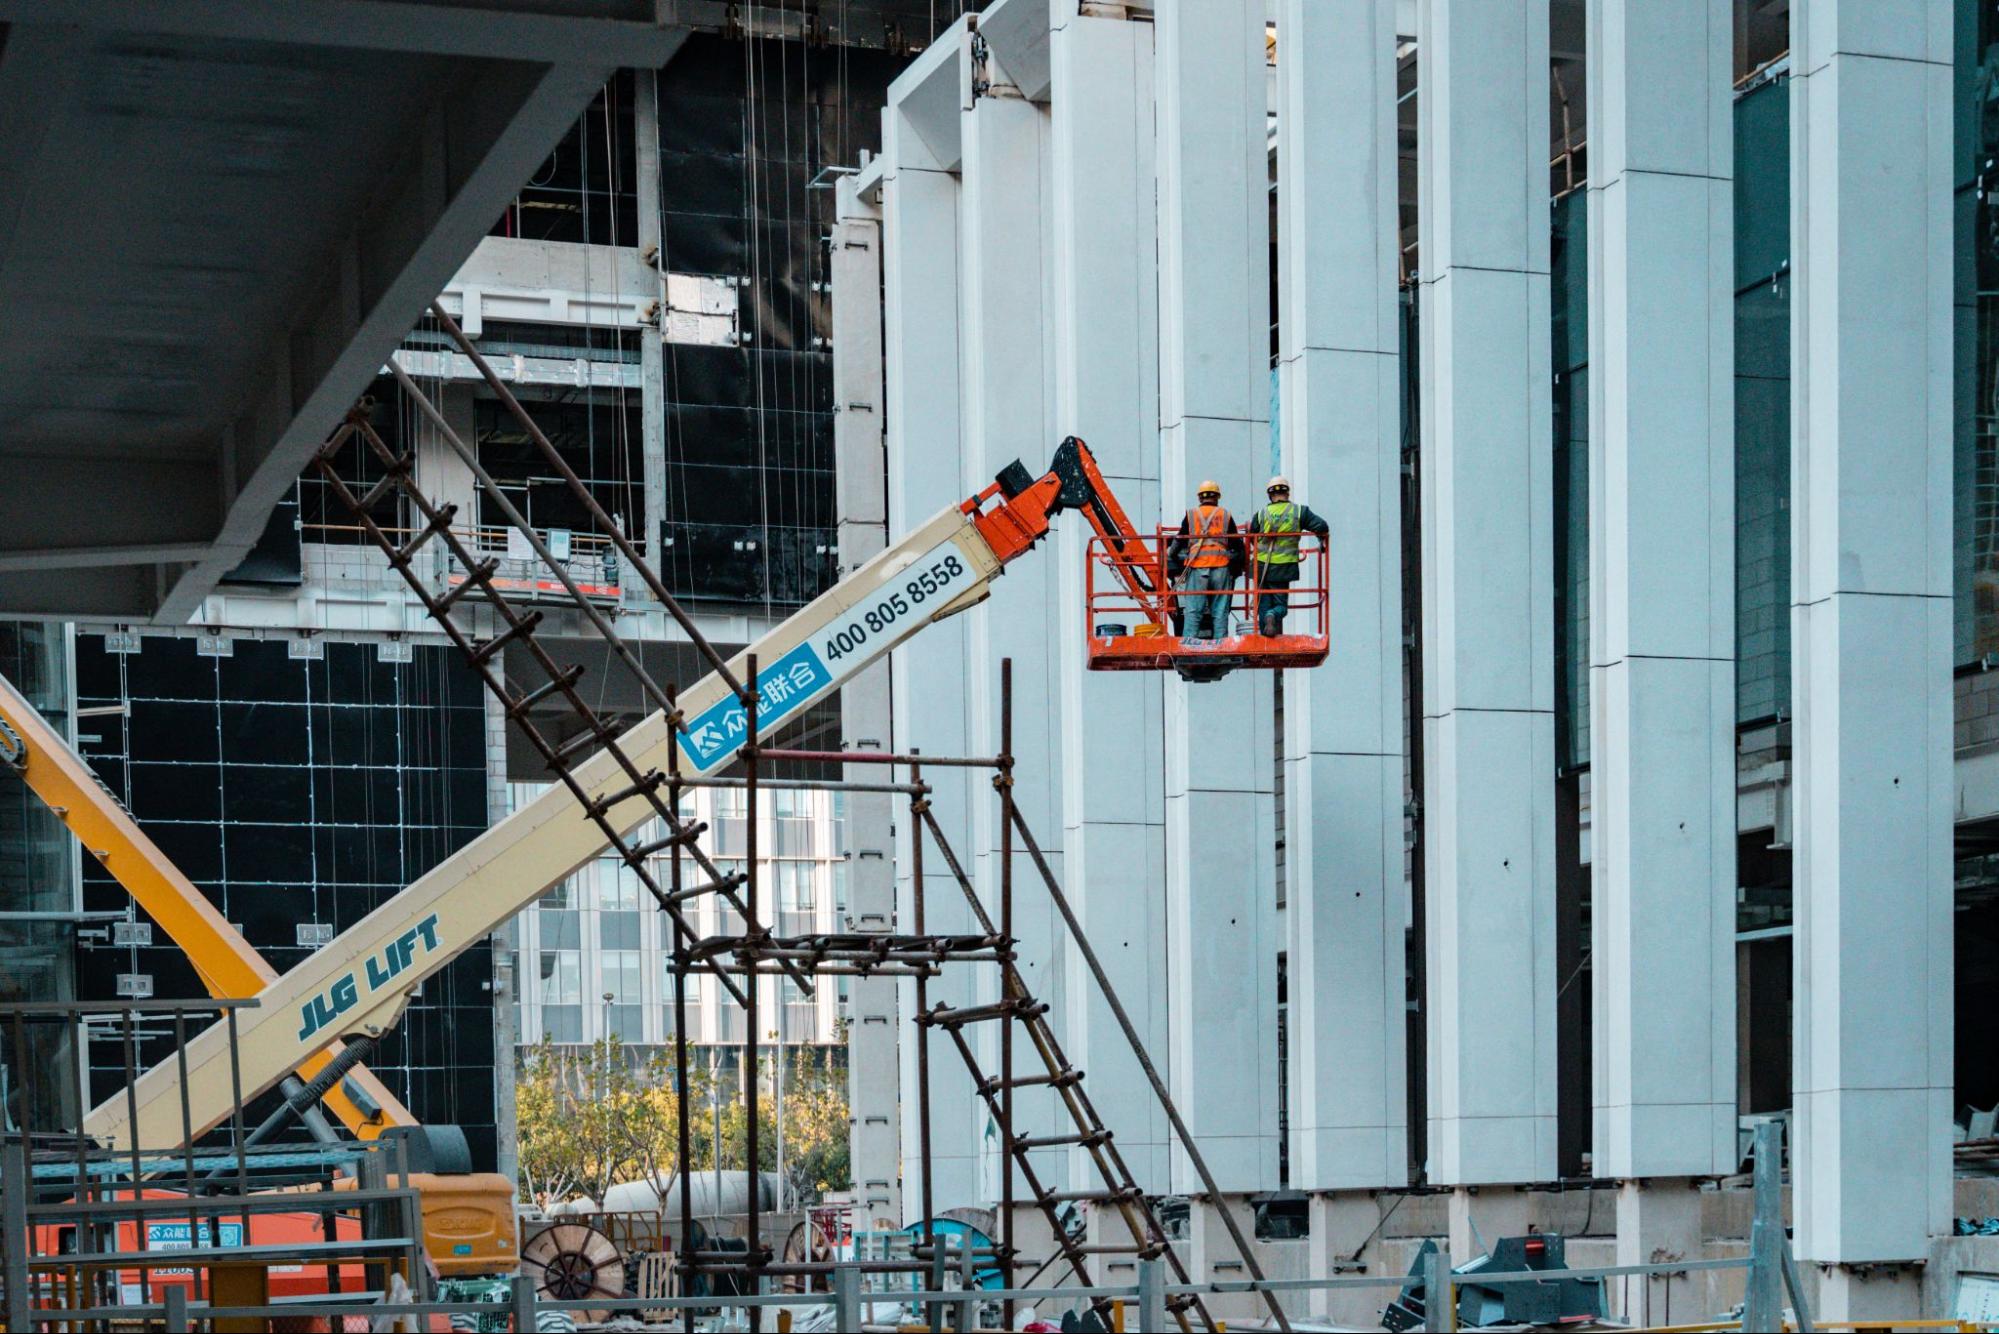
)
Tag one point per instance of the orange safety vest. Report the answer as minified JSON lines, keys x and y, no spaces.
{"x":1207,"y":533}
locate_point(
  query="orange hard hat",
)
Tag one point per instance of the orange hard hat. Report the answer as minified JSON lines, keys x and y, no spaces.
{"x":1208,"y":488}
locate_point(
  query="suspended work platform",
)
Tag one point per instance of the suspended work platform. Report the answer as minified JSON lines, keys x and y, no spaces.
{"x":1136,"y":620}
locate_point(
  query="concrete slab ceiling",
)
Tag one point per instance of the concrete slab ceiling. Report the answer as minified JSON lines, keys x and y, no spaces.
{"x":217,"y":218}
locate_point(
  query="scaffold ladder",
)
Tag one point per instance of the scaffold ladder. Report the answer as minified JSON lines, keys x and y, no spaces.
{"x":1119,"y":1192}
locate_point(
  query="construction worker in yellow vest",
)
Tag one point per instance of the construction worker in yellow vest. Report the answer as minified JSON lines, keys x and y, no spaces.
{"x":1275,"y":530}
{"x":1203,"y":562}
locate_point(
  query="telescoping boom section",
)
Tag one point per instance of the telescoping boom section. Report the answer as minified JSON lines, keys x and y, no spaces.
{"x":356,"y":985}
{"x":226,"y":964}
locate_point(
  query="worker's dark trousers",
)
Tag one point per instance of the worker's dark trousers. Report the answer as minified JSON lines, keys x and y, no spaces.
{"x":1271,"y":607}
{"x":1205,"y":600}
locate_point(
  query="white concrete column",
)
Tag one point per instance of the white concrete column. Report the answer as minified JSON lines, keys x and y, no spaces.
{"x":1214,"y":390}
{"x":1662,"y":589}
{"x":1004,"y":360}
{"x":1871,"y":637}
{"x":445,"y":477}
{"x":1339,"y":391}
{"x":861,"y":488}
{"x":1104,"y":318}
{"x":925,"y":473}
{"x":1662,"y":617}
{"x":509,"y":1003}
{"x":1488,"y":582}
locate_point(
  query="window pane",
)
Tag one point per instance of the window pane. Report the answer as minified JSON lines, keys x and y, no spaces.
{"x":622,"y":969}
{"x":561,"y":930}
{"x":617,"y":885}
{"x":561,"y":977}
{"x":563,"y":1023}
{"x":795,"y":886}
{"x":627,"y":1023}
{"x":618,"y":930}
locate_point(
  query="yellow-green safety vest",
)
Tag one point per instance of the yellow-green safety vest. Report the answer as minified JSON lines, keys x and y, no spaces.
{"x":1279,"y":526}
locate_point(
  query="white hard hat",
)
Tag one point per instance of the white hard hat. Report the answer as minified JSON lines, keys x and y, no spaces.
{"x":1279,"y":483}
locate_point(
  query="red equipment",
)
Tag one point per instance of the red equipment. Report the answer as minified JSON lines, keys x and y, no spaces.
{"x":1130,"y":619}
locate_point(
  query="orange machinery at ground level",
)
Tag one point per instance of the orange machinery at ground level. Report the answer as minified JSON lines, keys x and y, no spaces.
{"x":469,"y":1230}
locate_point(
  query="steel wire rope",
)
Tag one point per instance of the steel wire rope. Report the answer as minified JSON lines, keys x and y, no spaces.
{"x":753,"y":215}
{"x":671,"y":448}
{"x":623,"y":461}
{"x":803,"y":250}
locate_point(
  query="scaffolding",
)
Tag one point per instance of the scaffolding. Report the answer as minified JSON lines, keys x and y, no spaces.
{"x":86,"y":1232}
{"x":738,"y":959}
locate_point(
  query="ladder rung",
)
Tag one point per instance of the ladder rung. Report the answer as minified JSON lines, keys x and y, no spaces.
{"x":475,"y":577}
{"x":393,"y":479}
{"x":561,"y":681}
{"x":1066,"y":1079}
{"x":1092,"y":1196}
{"x":729,"y":881}
{"x":978,"y":1014}
{"x":596,"y":734}
{"x":644,"y":787}
{"x":523,"y":627}
{"x":1085,"y":1139}
{"x":687,"y":835}
{"x":400,"y":557}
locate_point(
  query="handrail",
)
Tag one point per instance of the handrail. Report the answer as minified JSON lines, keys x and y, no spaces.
{"x":486,"y":536}
{"x":1311,"y":595}
{"x":847,"y":1296}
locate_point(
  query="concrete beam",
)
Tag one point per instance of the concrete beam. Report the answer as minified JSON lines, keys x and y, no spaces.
{"x":929,"y":95}
{"x":113,"y":593}
{"x":479,"y":141}
{"x":55,"y":509}
{"x":1018,"y":31}
{"x":608,"y":33}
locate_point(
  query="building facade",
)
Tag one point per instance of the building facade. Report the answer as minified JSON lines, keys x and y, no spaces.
{"x":308,"y":744}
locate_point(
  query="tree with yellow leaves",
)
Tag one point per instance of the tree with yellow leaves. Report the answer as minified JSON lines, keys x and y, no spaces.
{"x":591,"y":1117}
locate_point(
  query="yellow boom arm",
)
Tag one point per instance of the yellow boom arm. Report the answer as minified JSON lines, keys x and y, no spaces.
{"x":226,"y":963}
{"x":358,"y":983}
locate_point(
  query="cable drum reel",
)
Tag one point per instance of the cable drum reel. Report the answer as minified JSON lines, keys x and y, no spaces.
{"x":573,"y":1262}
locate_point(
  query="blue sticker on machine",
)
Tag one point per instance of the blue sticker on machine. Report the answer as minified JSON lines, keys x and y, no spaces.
{"x":784,"y":687}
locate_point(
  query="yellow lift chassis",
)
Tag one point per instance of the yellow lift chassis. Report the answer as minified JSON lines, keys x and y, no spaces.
{"x":358,"y":983}
{"x":226,"y":963}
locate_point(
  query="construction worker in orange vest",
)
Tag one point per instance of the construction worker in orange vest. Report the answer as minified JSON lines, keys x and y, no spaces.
{"x":1203,"y":562}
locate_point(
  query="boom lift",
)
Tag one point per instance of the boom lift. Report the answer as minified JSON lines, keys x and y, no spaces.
{"x":355,"y":987}
{"x":226,"y":963}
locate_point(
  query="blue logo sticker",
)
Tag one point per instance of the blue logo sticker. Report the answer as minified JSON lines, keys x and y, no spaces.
{"x":782,"y":688}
